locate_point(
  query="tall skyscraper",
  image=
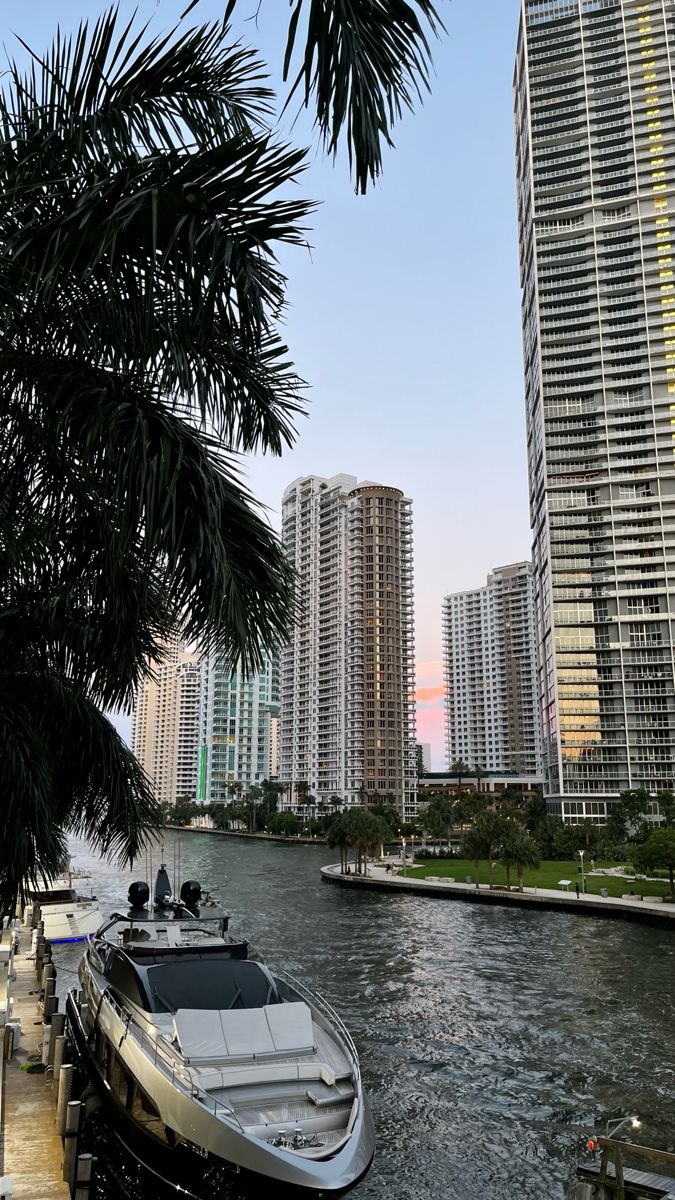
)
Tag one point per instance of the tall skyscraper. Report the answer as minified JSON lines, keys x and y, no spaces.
{"x":489,"y":657}
{"x":165,"y":727}
{"x":347,"y":725}
{"x":237,"y":718}
{"x":595,"y":135}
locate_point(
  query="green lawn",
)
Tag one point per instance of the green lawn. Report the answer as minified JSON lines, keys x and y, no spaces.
{"x":546,"y":876}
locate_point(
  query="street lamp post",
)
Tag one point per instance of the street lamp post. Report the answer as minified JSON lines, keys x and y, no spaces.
{"x":403,"y":853}
{"x":616,"y":1126}
{"x":583,"y":877}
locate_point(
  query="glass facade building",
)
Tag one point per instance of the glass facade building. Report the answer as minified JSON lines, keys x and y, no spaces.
{"x":237,"y":717}
{"x":595,"y":150}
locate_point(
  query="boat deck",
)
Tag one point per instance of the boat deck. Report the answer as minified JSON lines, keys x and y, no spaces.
{"x":266,"y":1105}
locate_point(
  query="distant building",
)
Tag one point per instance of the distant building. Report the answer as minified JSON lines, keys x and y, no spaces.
{"x":165,"y":725}
{"x":423,"y":750}
{"x":274,"y":748}
{"x":489,"y":652}
{"x":493,"y":786}
{"x":237,"y":717}
{"x":347,"y":724}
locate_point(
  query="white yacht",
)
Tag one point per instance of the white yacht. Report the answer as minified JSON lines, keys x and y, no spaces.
{"x":210,"y":1063}
{"x":68,"y":916}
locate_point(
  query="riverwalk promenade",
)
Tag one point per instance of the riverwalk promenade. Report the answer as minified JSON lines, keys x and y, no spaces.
{"x":378,"y":878}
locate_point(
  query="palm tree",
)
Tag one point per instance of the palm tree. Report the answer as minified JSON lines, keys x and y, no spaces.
{"x":518,"y":850}
{"x":138,"y":297}
{"x":338,"y":837}
{"x":479,"y":774}
{"x":491,"y":829}
{"x":140,"y":307}
{"x":474,"y":848}
{"x":460,"y":769}
{"x":366,"y":833}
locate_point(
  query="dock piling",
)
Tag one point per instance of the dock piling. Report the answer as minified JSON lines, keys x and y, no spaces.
{"x":56,"y":1029}
{"x":50,"y":1006}
{"x":71,"y":1141}
{"x":58,"y":1061}
{"x":84,"y":1176}
{"x":64,"y":1087}
{"x":48,"y":973}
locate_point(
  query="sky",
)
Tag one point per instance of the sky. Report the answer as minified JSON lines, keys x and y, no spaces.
{"x":404,"y":315}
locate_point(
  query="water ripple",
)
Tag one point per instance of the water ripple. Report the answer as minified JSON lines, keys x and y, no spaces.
{"x":491,"y":1039}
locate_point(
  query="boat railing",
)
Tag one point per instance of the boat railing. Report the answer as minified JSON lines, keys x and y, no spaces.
{"x":163,"y":1058}
{"x":317,"y":1001}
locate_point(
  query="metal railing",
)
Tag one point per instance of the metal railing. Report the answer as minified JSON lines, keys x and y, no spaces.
{"x":164,"y":1060}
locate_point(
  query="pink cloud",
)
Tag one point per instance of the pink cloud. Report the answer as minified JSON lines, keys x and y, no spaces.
{"x":431,"y":710}
{"x":430,"y":693}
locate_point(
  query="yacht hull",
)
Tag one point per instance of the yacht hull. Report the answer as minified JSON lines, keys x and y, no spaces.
{"x":204,"y":1175}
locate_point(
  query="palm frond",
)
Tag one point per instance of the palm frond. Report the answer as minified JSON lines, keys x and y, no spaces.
{"x":362,"y":63}
{"x":64,"y":769}
{"x":137,"y":505}
{"x":139,"y":248}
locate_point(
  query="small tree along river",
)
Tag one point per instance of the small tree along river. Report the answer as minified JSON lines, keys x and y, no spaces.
{"x":491,"y":1040}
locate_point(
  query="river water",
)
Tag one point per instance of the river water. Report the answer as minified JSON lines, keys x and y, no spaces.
{"x":491,"y":1040}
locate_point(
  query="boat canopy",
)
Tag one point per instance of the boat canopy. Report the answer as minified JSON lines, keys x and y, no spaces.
{"x":210,"y":983}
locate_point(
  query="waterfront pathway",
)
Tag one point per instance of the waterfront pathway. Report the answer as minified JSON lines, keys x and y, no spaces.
{"x":649,"y":910}
{"x":33,"y":1152}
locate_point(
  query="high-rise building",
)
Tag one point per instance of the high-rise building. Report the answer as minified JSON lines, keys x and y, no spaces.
{"x":489,"y":656}
{"x":595,"y":135}
{"x":165,"y":727}
{"x":237,"y":715}
{"x":347,"y":725}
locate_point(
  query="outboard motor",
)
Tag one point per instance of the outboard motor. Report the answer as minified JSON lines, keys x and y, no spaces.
{"x":139,"y":894}
{"x":162,"y":888}
{"x":191,"y":894}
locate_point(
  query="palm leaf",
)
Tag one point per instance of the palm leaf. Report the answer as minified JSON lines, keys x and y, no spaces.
{"x":167,"y":518}
{"x":167,"y":256}
{"x":362,"y":64}
{"x":64,"y":769}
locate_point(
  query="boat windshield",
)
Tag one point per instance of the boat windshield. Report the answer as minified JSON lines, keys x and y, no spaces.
{"x":210,"y":984}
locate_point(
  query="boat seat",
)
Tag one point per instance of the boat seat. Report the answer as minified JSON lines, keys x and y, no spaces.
{"x":250,"y":1076}
{"x":322,"y":1095}
{"x":273,"y":1030}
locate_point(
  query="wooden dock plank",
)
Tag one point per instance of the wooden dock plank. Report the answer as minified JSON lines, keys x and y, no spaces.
{"x":33,"y":1152}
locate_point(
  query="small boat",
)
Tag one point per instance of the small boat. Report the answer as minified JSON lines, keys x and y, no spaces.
{"x":210,"y":1064}
{"x":67,"y":915}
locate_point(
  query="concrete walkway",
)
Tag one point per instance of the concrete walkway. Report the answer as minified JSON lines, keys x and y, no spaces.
{"x":648,"y":911}
{"x":33,"y":1151}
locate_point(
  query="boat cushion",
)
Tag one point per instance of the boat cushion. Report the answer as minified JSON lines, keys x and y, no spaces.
{"x":290,"y":1027}
{"x":264,"y":1073}
{"x":199,"y":1033}
{"x":246,"y":1032}
{"x":208,"y":1034}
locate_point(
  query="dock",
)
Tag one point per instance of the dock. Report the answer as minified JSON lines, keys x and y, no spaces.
{"x":31,"y":1150}
{"x":376,"y":878}
{"x":39,"y":1119}
{"x":611,"y":1179}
